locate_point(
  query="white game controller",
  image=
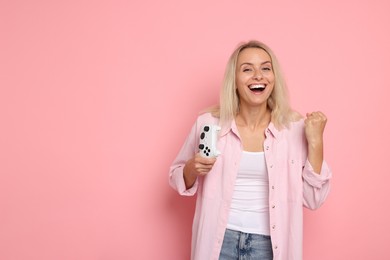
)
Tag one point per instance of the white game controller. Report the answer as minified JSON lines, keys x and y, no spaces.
{"x":208,"y":141}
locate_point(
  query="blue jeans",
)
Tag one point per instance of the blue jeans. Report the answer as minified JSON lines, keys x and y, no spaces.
{"x":243,"y":246}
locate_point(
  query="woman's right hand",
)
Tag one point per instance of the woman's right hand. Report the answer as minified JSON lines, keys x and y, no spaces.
{"x":197,"y":166}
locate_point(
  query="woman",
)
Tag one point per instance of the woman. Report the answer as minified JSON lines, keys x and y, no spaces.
{"x":249,"y":198}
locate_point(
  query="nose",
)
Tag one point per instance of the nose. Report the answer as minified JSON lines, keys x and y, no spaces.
{"x":257,"y":75}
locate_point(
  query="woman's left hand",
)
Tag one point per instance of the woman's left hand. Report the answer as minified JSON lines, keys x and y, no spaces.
{"x":314,"y":127}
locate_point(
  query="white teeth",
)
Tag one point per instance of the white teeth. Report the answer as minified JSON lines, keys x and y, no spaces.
{"x":260,"y":86}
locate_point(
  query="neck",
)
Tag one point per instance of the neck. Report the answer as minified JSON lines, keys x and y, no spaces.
{"x":253,"y":118}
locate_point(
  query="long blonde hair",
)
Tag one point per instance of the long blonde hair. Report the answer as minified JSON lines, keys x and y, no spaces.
{"x":278,"y":102}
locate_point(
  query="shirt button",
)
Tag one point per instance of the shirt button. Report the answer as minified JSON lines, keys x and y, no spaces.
{"x":271,"y":166}
{"x":273,"y":227}
{"x":273,"y":206}
{"x":267,"y":147}
{"x":273,"y":187}
{"x":276,"y":247}
{"x":292,"y":161}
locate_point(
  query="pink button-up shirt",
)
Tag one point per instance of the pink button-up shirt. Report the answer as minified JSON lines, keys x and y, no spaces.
{"x":292,"y":184}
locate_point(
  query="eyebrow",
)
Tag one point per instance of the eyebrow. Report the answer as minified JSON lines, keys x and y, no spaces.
{"x":248,"y":63}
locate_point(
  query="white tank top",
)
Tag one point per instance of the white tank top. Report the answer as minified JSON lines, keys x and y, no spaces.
{"x":249,"y":210}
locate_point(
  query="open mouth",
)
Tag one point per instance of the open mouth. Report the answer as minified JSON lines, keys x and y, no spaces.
{"x":257,"y":88}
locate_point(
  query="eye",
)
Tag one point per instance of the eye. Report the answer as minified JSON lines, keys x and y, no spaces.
{"x":246,"y":69}
{"x":266,"y":69}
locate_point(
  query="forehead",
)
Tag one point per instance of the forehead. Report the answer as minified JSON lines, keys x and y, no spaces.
{"x":253,"y":55}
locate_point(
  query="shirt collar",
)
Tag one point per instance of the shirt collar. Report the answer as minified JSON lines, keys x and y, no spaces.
{"x":233,"y":127}
{"x":273,"y":130}
{"x":226,"y":128}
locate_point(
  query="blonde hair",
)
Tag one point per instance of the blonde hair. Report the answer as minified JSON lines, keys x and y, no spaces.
{"x":278,"y":102}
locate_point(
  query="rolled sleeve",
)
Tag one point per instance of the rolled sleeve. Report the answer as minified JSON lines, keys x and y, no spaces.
{"x":176,"y":180}
{"x":316,"y":186}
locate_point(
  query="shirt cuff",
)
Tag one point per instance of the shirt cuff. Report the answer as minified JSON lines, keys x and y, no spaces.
{"x":178,"y":184}
{"x":315,"y":179}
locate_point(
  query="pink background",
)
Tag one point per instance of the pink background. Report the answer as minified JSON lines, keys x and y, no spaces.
{"x":97,"y":97}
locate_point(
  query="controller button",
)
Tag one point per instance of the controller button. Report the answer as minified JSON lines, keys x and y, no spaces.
{"x":202,"y":135}
{"x":206,"y":128}
{"x":201,"y":146}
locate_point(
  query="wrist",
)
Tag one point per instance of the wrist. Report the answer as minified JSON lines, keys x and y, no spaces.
{"x":189,"y":177}
{"x":315,"y":145}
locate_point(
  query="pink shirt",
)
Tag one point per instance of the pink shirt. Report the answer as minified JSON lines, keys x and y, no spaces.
{"x":292,"y":184}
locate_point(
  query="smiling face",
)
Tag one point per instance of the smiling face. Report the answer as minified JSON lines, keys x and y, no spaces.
{"x":255,"y":78}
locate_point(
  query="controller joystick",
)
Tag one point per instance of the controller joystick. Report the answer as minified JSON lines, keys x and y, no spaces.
{"x":208,"y":141}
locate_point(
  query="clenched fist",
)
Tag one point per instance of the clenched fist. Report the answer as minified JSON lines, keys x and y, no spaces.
{"x":314,"y":127}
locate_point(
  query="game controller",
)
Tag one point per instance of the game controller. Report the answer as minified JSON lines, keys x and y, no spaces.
{"x":208,"y":141}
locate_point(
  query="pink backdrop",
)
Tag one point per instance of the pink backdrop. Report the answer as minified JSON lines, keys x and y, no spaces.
{"x":96,"y":98}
